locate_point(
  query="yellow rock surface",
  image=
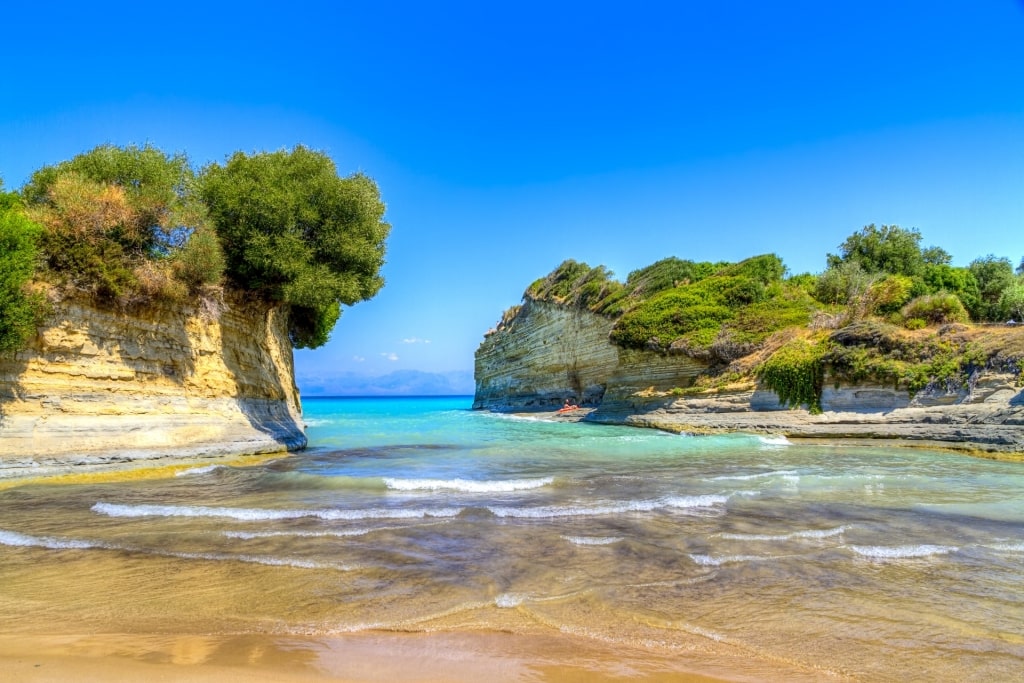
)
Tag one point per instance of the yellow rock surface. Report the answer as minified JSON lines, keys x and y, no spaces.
{"x":101,"y":386}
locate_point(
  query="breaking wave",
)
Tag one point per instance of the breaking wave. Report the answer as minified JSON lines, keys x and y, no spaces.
{"x":808,"y":533}
{"x":261,"y":514}
{"x":901,"y":552}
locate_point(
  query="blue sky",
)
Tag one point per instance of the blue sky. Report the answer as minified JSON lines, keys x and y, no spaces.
{"x":506,"y":137}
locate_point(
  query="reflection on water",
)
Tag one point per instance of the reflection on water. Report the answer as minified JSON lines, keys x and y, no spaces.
{"x":422,"y":516}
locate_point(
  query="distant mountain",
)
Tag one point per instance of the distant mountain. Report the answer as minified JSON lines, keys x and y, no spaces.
{"x":397,"y":383}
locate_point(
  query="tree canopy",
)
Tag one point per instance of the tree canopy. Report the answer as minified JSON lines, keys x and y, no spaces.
{"x":994,"y":275}
{"x":888,"y":249}
{"x":297,"y":233}
{"x":128,"y":226}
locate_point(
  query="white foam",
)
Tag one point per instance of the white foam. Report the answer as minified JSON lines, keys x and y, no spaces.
{"x":249,"y":535}
{"x":466,"y":485}
{"x":506,"y":600}
{"x":712,"y":561}
{"x":593,"y":540}
{"x":198,"y":470}
{"x":808,"y":533}
{"x":900,"y":552}
{"x":514,"y":417}
{"x":676,"y":502}
{"x":261,"y":514}
{"x":774,"y":440}
{"x":13,"y":538}
{"x":253,"y":559}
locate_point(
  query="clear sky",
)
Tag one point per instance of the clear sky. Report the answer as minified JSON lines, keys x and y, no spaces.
{"x":506,"y":137}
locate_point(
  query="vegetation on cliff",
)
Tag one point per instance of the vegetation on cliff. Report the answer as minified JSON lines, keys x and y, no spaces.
{"x":133,"y":226}
{"x":885,"y":309}
{"x":20,"y":309}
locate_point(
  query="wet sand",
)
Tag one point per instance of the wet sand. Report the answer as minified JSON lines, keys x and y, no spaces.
{"x":368,"y":657}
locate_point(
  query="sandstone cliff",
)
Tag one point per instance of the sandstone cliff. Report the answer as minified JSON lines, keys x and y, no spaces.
{"x":547,"y":353}
{"x":99,"y":387}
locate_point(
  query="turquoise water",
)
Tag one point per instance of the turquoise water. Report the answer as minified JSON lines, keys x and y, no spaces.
{"x":419,"y":514}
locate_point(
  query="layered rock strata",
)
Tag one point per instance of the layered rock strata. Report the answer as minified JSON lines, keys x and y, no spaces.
{"x":548,"y":353}
{"x":100,"y":387}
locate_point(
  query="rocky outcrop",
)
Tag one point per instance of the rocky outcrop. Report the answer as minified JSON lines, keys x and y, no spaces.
{"x":101,"y":387}
{"x":547,"y":353}
{"x":988,"y":419}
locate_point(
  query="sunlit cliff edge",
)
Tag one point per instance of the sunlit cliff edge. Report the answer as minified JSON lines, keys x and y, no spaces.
{"x":544,"y":353}
{"x":101,"y":387}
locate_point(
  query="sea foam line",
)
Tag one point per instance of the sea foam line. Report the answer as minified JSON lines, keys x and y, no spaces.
{"x":900,"y":552}
{"x":13,"y":538}
{"x":261,"y":514}
{"x":809,"y":533}
{"x":467,"y":485}
{"x":712,"y":561}
{"x":673,"y":502}
{"x":592,"y":540}
{"x":250,"y":535}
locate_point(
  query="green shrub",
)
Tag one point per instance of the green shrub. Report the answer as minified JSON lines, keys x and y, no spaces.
{"x":1013,"y":300}
{"x":842,"y":283}
{"x":719,"y":316}
{"x":796,"y":373}
{"x":200,"y":261}
{"x":915,"y":323}
{"x":889,"y":294}
{"x":111,"y":215}
{"x":20,"y":312}
{"x":936,"y":309}
{"x":994,"y":275}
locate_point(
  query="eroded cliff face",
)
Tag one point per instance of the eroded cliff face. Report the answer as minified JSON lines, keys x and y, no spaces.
{"x":547,"y":353}
{"x":98,"y":387}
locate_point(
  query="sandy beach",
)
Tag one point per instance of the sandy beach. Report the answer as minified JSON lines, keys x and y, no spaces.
{"x":369,"y":658}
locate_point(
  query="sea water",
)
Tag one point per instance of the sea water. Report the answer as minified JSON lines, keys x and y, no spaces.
{"x":422,"y":515}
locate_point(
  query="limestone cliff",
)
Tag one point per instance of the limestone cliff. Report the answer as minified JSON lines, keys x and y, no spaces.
{"x":99,"y":386}
{"x":547,"y":352}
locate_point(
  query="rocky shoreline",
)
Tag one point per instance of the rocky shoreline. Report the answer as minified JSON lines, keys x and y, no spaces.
{"x":986,"y":421}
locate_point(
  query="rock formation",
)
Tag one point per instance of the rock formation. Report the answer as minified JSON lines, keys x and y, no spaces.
{"x":99,"y":387}
{"x":547,"y":353}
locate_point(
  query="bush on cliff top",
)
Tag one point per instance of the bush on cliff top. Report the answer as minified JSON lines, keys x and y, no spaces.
{"x":19,"y":310}
{"x":118,"y":223}
{"x":127,"y":226}
{"x":720,"y":315}
{"x":296,"y":232}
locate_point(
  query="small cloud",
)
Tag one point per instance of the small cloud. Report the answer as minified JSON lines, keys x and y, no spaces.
{"x":415,"y":340}
{"x":390,"y":356}
{"x":358,"y":359}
